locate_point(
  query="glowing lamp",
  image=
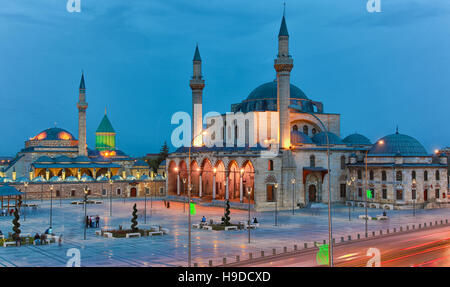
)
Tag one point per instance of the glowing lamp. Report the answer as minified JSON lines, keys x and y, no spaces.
{"x":381,"y":142}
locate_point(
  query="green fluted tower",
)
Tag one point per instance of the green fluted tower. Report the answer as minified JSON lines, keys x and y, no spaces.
{"x":105,"y":136}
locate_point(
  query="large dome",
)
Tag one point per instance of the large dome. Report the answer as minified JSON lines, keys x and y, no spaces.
{"x":53,"y":134}
{"x":356,"y":139}
{"x":398,"y":144}
{"x":264,"y":98}
{"x":321,"y":139}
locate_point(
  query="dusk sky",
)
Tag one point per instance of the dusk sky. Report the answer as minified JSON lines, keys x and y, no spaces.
{"x":378,"y":70}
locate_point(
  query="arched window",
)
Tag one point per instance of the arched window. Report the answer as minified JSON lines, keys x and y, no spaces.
{"x":383,"y":175}
{"x":343,"y":162}
{"x":359,"y":174}
{"x":312,"y":161}
{"x":413,"y":174}
{"x":425,"y":175}
{"x":398,"y":175}
{"x":314,"y":131}
{"x":437,"y":175}
{"x":305,"y":129}
{"x":295,"y":128}
{"x":371,"y":174}
{"x":270,"y":165}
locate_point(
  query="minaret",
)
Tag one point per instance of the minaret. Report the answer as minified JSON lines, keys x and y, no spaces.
{"x":82,"y":106}
{"x":283,"y":65}
{"x":197,"y":84}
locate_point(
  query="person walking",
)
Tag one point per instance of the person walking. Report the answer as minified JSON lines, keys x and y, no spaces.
{"x":97,"y":221}
{"x":87,"y":221}
{"x":37,"y":239}
{"x":168,"y":204}
{"x":60,"y":240}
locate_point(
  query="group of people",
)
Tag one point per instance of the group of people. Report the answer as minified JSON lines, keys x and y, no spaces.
{"x":92,"y":223}
{"x":40,"y":239}
{"x":6,"y":212}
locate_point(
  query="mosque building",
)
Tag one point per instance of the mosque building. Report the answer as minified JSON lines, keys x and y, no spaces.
{"x":271,"y":150}
{"x":55,"y":156}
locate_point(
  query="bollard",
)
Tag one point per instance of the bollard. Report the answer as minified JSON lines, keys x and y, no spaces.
{"x":441,"y":221}
{"x":381,"y":232}
{"x":446,"y":221}
{"x":238,"y":258}
{"x":274,"y":251}
{"x":262,"y":253}
{"x":373,"y":233}
{"x":359,"y":237}
{"x":435,"y":223}
{"x":224,"y":260}
{"x":401,"y":229}
{"x":387,"y":231}
{"x":306,"y":245}
{"x":424,"y":224}
{"x":295,"y":247}
{"x":210,"y":263}
{"x":342,"y":239}
{"x":414,"y":226}
{"x":395,"y":229}
{"x":407,"y":227}
{"x":324,"y":242}
{"x":349,"y":237}
{"x":195,"y":264}
{"x":250,"y":256}
{"x":285,"y":249}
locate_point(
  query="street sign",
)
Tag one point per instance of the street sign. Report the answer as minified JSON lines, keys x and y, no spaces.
{"x":192,"y":208}
{"x":369,"y":193}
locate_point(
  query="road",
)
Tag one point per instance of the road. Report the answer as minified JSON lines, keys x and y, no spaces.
{"x":424,"y":248}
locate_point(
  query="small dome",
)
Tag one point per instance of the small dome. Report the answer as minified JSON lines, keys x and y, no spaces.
{"x":55,"y":179}
{"x":22,"y":179}
{"x":398,"y":145}
{"x":298,"y":137}
{"x":356,"y":139}
{"x":321,"y":139}
{"x":71,"y":179}
{"x":144,"y":177}
{"x":116,"y":178}
{"x":85,"y":178}
{"x":63,"y":159}
{"x":5,"y":179}
{"x":53,"y":134}
{"x":39,"y":179}
{"x":102,"y":178}
{"x":140,"y":163}
{"x":131,"y":177}
{"x":82,"y":159}
{"x":44,"y":159}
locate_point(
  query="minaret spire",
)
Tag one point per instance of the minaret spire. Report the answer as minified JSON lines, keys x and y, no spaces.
{"x":82,"y":107}
{"x":283,"y":65}
{"x":197,"y":84}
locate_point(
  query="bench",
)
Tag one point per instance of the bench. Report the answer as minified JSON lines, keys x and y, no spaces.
{"x":382,"y":217}
{"x":364,"y":217}
{"x":231,"y":228}
{"x":6,"y":243}
{"x":25,"y":235}
{"x":133,"y":235}
{"x":195,"y":225}
{"x":165,"y":230}
{"x":98,"y":232}
{"x":207,"y":227}
{"x":251,"y":226}
{"x":98,"y":202}
{"x":151,"y":233}
{"x":108,"y":234}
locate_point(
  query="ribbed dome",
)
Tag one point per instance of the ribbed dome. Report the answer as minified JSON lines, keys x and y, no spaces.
{"x":264,"y":98}
{"x":398,"y":144}
{"x":321,"y":138}
{"x":356,"y":139}
{"x":53,"y":134}
{"x":297,"y":137}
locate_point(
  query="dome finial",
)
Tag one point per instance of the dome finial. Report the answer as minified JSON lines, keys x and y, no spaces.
{"x":283,"y":27}
{"x":396,"y":130}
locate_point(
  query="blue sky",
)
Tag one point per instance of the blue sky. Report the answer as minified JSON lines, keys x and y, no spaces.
{"x":378,"y":70}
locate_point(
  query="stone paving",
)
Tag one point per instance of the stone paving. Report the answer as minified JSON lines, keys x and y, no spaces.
{"x":307,"y":225}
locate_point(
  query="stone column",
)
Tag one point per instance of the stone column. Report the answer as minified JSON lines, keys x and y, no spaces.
{"x":200,"y":185}
{"x":214,"y":187}
{"x":178,"y":184}
{"x":227,"y":188}
{"x":241,"y":189}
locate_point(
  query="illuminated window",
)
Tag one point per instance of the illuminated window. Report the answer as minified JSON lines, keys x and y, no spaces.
{"x":270,"y":195}
{"x":270,"y":167}
{"x":64,"y":136}
{"x":40,"y":136}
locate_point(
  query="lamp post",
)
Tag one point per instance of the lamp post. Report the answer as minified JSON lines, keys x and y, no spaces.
{"x":249,"y":191}
{"x":145,"y":203}
{"x":354,"y":192}
{"x":26,"y":206}
{"x":276,"y":204}
{"x":242,"y":183}
{"x":365,"y":195}
{"x":85,"y":211}
{"x":349,"y":183}
{"x":51,"y":204}
{"x":184,"y":195}
{"x":110,"y":196}
{"x":414,"y":199}
{"x":293,"y":195}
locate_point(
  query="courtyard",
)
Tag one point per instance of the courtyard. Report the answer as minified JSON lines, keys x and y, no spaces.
{"x":306,"y":225}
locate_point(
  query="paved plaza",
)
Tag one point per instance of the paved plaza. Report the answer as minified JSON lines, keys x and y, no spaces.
{"x":307,"y":225}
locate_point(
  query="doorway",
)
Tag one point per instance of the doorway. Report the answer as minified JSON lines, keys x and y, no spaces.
{"x":312,"y":193}
{"x":425,"y":195}
{"x":133,"y":192}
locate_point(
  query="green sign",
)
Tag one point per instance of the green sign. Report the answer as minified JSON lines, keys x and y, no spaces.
{"x":192,"y":208}
{"x":369,"y":193}
{"x":322,"y":257}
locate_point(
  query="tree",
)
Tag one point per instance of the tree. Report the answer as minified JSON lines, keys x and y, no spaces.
{"x":163,"y":153}
{"x":134,"y":219}
{"x":16,"y":224}
{"x":227,"y":214}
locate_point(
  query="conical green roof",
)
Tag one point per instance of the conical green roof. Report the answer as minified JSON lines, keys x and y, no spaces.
{"x":283,"y":28}
{"x":197,"y":54}
{"x":82,"y":85}
{"x":105,"y":126}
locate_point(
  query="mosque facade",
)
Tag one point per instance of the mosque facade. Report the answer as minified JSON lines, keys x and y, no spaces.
{"x":279,"y":149}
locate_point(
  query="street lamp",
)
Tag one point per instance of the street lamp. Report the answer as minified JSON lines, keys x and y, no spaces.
{"x":26,"y":206}
{"x":85,"y":211}
{"x":242,"y":181}
{"x":51,"y":204}
{"x":249,"y":191}
{"x":276,"y":203}
{"x":110,"y":196}
{"x":293,"y":195}
{"x":145,"y":202}
{"x":184,"y":195}
{"x":349,"y":183}
{"x":354,"y":192}
{"x":415,"y":196}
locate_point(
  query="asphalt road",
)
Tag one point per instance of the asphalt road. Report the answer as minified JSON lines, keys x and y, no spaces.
{"x":424,"y":248}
